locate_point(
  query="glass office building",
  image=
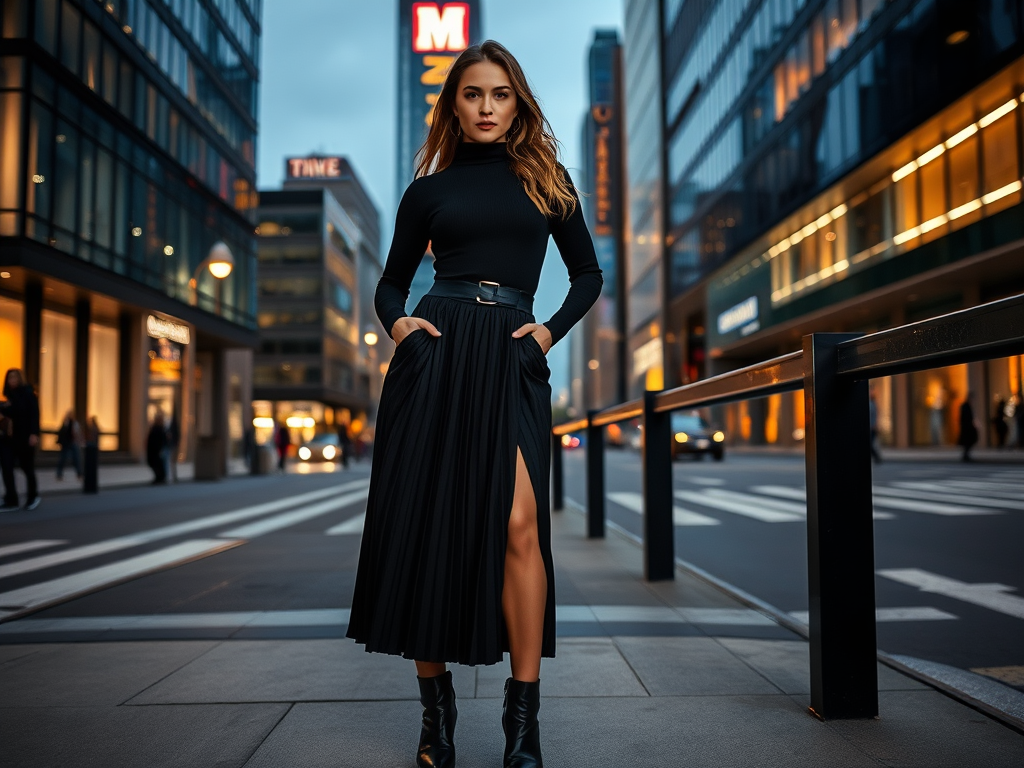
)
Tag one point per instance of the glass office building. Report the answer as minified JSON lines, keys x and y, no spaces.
{"x":319,"y":365}
{"x":126,"y":168}
{"x":601,"y":334}
{"x":840,"y":165}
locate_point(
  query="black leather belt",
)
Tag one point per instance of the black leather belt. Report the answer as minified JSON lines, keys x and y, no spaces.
{"x":484,"y":292}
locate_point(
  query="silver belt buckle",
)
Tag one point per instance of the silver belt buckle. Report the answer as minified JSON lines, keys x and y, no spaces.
{"x":481,"y":284}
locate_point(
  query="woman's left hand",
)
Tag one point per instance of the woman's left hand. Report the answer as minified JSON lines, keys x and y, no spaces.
{"x":540,"y":333}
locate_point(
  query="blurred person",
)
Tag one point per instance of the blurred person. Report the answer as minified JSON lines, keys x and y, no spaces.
{"x":936,"y":414}
{"x":344,"y":444}
{"x":173,"y":439}
{"x":873,"y":422}
{"x":455,"y":561}
{"x":91,"y":455}
{"x":156,"y":448}
{"x":968,"y":429}
{"x":69,"y":438}
{"x":21,"y":408}
{"x":282,"y":441}
{"x":999,"y":424}
{"x":1018,"y":419}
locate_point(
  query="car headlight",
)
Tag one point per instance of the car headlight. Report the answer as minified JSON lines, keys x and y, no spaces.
{"x":718,"y":437}
{"x":682,"y":437}
{"x":305,"y":453}
{"x":330,"y":452}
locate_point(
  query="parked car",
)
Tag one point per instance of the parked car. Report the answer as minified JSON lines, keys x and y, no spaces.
{"x":324,"y":447}
{"x":692,"y":435}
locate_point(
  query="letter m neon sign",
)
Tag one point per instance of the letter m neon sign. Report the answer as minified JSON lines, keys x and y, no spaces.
{"x":440,"y":28}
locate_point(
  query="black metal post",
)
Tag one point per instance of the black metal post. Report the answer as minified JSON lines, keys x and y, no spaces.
{"x":595,"y":479}
{"x":840,"y":531}
{"x":659,"y":532}
{"x":557,"y":483}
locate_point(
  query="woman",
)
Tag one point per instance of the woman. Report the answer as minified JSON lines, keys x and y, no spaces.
{"x":22,"y":408}
{"x":156,"y":449}
{"x":455,"y":563}
{"x":968,"y":429}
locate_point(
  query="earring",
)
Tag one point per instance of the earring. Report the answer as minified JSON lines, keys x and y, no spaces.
{"x":456,"y":135}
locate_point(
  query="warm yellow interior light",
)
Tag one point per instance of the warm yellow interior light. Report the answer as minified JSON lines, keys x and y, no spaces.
{"x":221,"y":269}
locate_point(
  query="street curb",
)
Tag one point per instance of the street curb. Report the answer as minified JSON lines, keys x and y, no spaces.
{"x":783,"y":619}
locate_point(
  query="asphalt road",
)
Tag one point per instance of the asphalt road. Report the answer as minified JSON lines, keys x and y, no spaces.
{"x":276,"y":555}
{"x":949,"y":545}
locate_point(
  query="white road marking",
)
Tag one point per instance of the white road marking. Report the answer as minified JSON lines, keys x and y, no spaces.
{"x":799,"y":493}
{"x":352,"y":526}
{"x":704,"y":480}
{"x":145,"y":537}
{"x":886,"y":615}
{"x":992,"y":596}
{"x":782,"y":506}
{"x":931,"y":507}
{"x":634,"y":502}
{"x":977,"y":501}
{"x":46,"y":593}
{"x":740,"y":508}
{"x":28,"y":546}
{"x":287,"y":519}
{"x":956,"y":486}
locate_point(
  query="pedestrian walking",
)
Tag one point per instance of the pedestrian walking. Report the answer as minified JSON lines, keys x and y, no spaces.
{"x":999,"y":425}
{"x":873,"y":422}
{"x":1018,"y":418}
{"x":344,"y":444}
{"x":282,"y":441}
{"x":968,"y":429}
{"x":455,"y":561}
{"x":69,"y":439}
{"x":20,"y":439}
{"x":156,"y":447}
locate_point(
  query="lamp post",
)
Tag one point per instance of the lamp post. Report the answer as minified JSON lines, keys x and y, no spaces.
{"x":220,"y":261}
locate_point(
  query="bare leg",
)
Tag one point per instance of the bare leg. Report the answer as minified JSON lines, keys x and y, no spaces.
{"x":429,"y":669}
{"x":525,"y":592}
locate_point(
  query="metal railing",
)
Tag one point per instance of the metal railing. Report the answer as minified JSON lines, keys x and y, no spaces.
{"x":833,"y":369}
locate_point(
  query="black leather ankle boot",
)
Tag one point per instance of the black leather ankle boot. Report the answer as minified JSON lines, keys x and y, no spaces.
{"x":519,"y":719}
{"x":437,"y":747}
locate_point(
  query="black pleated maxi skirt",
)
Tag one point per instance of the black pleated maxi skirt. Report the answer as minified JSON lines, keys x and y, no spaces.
{"x":453,"y":410}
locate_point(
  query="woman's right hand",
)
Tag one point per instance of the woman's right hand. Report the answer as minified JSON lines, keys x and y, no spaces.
{"x":405,"y":325}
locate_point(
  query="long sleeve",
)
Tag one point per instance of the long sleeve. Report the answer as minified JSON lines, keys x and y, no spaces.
{"x":407,"y":248}
{"x":577,"y":250}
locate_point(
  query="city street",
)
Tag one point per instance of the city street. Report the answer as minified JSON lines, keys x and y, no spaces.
{"x":950,"y":577}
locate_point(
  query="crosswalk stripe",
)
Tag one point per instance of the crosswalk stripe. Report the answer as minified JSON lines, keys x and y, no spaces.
{"x":352,"y":526}
{"x":931,"y":507}
{"x":740,"y":508}
{"x":634,"y":502}
{"x":992,"y":596}
{"x":146,"y":537}
{"x":287,"y":519}
{"x":28,"y":546}
{"x":887,"y":615}
{"x":976,"y":501}
{"x":36,"y":596}
{"x":956,"y":486}
{"x":783,"y":506}
{"x":704,"y":480}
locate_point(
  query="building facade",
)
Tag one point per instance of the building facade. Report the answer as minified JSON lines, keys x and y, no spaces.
{"x":430,"y":38}
{"x":321,"y":345}
{"x":601,"y":336}
{"x":127,"y":252}
{"x":840,"y":166}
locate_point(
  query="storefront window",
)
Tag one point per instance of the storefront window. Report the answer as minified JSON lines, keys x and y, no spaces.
{"x":11,"y":334}
{"x":963,"y":183}
{"x":999,"y":144}
{"x":56,"y":374}
{"x":104,"y":387}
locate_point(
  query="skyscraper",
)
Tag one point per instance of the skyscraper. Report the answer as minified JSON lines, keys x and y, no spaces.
{"x":126,"y":233}
{"x":430,"y":38}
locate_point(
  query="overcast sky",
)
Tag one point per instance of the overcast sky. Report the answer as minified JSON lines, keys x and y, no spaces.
{"x":328,"y":85}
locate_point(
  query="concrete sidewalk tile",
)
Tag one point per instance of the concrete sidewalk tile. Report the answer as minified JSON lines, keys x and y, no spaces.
{"x":128,"y":737}
{"x":92,"y":674}
{"x":583,"y":666}
{"x":926,"y":728}
{"x":690,"y":666}
{"x":293,"y":670}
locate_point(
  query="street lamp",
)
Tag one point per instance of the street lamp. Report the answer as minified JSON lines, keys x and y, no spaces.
{"x":370,"y":337}
{"x":220,"y":261}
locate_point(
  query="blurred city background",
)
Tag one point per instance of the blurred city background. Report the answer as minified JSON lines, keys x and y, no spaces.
{"x":197,"y":198}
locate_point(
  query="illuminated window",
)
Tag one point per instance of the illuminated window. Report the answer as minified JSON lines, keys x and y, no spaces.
{"x":999,"y":144}
{"x":104,"y":387}
{"x":933,"y":199}
{"x":56,"y":369}
{"x":11,"y":330}
{"x":964,"y":204}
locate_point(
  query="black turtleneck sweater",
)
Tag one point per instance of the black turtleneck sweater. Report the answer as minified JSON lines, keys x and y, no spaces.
{"x":481,"y":225}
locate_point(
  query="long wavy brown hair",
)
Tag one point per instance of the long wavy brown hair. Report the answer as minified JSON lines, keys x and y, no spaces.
{"x":532,"y":147}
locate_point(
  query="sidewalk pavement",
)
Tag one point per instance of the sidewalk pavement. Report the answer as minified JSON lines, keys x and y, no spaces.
{"x":666,"y":674}
{"x":111,"y":476}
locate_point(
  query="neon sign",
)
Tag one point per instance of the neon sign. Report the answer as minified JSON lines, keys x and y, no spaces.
{"x":313,"y":167}
{"x":440,"y":28}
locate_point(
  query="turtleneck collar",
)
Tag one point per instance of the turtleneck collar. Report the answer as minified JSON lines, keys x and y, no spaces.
{"x":472,"y":153}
